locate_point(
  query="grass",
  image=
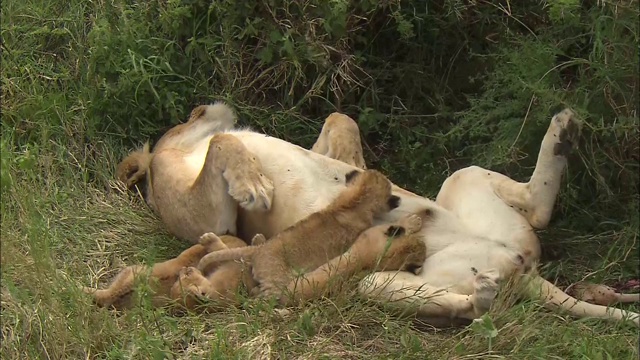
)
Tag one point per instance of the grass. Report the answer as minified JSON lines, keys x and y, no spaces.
{"x":66,"y":223}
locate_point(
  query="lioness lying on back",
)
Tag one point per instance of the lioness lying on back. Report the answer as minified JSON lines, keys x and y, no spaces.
{"x":318,"y":238}
{"x":162,"y":276}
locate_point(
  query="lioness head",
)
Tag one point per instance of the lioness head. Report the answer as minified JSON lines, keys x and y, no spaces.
{"x":134,"y":168}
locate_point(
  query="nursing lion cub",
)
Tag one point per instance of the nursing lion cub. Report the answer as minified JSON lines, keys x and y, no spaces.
{"x":316,"y":239}
{"x":388,"y":247}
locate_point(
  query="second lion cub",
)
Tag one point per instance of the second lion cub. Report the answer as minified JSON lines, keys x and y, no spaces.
{"x":162,"y":276}
{"x":317,"y":238}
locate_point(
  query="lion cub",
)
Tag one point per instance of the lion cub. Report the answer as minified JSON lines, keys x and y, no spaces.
{"x":161,"y":277}
{"x":388,"y":247}
{"x":219,"y":285}
{"x":317,"y":238}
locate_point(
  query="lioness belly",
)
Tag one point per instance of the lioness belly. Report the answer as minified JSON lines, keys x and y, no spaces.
{"x":468,"y":194}
{"x":304,"y":183}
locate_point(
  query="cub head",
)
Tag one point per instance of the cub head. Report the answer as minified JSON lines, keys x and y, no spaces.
{"x":190,"y":288}
{"x":375,"y":187}
{"x":134,"y":168}
{"x":406,"y":253}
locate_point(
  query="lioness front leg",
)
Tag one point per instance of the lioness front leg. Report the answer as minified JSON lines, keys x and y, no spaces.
{"x":340,"y":140}
{"x":536,"y":198}
{"x":242,"y":170}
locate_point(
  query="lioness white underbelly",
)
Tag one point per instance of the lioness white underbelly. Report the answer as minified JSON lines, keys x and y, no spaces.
{"x":304,"y":182}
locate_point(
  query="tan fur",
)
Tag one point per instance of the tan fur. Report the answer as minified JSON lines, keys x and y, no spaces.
{"x":160,"y":277}
{"x":376,"y":248}
{"x":133,"y":169}
{"x":205,"y":177}
{"x":316,"y":239}
{"x":340,"y":140}
{"x":191,"y":202}
{"x":218,"y":287}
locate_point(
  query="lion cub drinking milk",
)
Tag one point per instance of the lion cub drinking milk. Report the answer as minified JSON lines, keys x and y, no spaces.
{"x":388,"y":247}
{"x":316,"y":239}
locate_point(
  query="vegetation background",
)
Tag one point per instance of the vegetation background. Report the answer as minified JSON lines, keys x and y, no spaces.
{"x":434,"y":86}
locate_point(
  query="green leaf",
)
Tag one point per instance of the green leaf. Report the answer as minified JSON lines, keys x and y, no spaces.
{"x":484,"y":327}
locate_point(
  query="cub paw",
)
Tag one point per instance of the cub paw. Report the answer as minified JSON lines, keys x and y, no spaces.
{"x":413,"y":224}
{"x":258,"y":240}
{"x":253,"y":192}
{"x":485,"y":290}
{"x":88,"y":290}
{"x":568,"y":131}
{"x":211,"y":242}
{"x":187,"y":272}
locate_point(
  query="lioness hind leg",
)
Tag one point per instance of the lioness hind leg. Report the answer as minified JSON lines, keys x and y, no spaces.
{"x":409,"y":294}
{"x":340,"y":140}
{"x":599,"y":294}
{"x":536,"y":199}
{"x":242,"y":171}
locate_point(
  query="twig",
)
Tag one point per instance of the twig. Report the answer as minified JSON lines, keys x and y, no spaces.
{"x":523,"y":122}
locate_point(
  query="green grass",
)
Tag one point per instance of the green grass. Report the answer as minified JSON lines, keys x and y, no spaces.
{"x":66,"y":223}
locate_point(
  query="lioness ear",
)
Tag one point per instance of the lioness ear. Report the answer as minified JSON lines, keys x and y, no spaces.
{"x":393,"y":202}
{"x":351,"y":175}
{"x":133,"y":169}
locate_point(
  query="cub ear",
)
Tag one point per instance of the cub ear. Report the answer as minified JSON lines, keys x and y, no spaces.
{"x":351,"y":175}
{"x":395,"y":231}
{"x":132,"y":170}
{"x":393,"y":202}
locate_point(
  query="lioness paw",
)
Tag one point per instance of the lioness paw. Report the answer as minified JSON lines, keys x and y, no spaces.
{"x":567,"y":131}
{"x":254,"y":192}
{"x":485,"y":290}
{"x":88,"y":290}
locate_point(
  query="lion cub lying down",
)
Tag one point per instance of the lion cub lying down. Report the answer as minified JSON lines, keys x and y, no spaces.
{"x":320,"y":237}
{"x":162,"y":276}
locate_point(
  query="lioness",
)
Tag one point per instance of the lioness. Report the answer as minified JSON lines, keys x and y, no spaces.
{"x":204,"y":176}
{"x":318,"y":237}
